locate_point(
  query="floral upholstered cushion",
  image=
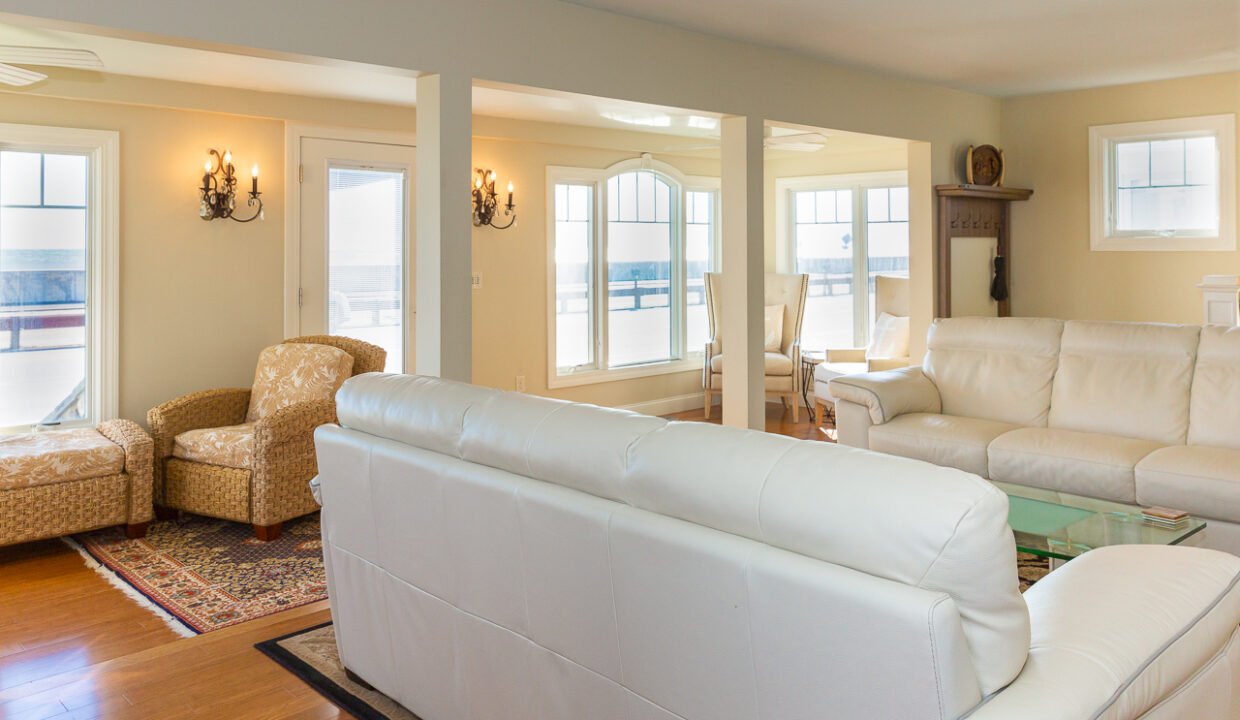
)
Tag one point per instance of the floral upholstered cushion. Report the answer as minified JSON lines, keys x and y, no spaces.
{"x":296,"y":372}
{"x":57,"y":456}
{"x":231,"y":446}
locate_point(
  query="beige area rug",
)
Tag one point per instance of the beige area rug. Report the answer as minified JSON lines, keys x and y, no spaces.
{"x":311,"y":655}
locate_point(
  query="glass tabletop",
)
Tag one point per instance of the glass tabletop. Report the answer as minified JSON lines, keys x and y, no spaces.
{"x":1063,"y":526}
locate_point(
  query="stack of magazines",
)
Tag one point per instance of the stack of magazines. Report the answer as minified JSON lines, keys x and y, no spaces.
{"x":1165,"y":517}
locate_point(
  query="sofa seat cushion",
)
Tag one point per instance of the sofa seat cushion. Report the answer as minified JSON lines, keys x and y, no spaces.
{"x":947,"y":440}
{"x":773,"y":364}
{"x":58,"y":456}
{"x":1069,"y":461}
{"x":296,"y":372}
{"x":231,"y":446}
{"x":825,"y":372}
{"x":1199,"y":479}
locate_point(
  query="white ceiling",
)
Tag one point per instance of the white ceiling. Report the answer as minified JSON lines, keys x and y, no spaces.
{"x":997,"y":47}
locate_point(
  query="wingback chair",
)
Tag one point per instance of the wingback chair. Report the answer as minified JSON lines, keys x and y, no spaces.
{"x":782,"y":369}
{"x":247,"y":454}
{"x":890,"y":297}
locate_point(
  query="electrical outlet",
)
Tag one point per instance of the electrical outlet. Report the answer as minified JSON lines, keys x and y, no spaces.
{"x":520,"y":383}
{"x":477,"y":282}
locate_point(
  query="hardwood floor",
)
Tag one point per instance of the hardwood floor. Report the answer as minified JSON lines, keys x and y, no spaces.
{"x":778,"y":421}
{"x":72,"y":647}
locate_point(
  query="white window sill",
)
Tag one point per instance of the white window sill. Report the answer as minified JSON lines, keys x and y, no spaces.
{"x":593,"y":377}
{"x":1163,"y":243}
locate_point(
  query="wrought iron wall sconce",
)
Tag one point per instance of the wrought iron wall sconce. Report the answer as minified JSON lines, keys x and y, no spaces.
{"x":219,"y":189}
{"x":486,"y":205}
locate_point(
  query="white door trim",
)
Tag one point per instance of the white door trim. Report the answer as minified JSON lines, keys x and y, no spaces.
{"x":293,"y":135}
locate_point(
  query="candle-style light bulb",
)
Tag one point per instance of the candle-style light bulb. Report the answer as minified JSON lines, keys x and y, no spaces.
{"x":478,"y":183}
{"x":254,"y":179}
{"x":509,"y":186}
{"x":510,"y":194}
{"x":491,"y":176}
{"x":254,"y":171}
{"x":206,"y":167}
{"x":228,"y":157}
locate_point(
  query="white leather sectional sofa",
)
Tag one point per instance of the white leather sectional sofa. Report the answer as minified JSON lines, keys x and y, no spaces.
{"x":1134,"y":412}
{"x":501,"y":556}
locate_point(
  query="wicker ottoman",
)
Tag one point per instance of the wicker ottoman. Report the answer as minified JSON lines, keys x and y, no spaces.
{"x":69,"y":481}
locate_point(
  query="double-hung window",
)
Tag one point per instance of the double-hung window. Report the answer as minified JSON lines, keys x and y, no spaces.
{"x":1163,"y":185}
{"x":57,"y":276}
{"x":842,"y":230}
{"x":628,"y":249}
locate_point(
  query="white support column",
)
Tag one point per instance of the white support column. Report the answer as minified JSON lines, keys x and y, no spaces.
{"x":744,"y":395}
{"x":444,"y":320}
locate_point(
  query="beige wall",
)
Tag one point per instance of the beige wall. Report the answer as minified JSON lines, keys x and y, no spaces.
{"x":198,"y":299}
{"x":1054,"y":273}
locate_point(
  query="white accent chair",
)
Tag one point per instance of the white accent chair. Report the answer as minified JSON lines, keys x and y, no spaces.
{"x":891,"y":297}
{"x":498,"y":555}
{"x":782,"y":370}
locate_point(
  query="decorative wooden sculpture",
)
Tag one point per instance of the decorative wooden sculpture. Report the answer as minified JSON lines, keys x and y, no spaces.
{"x":975,"y":211}
{"x":983,"y":165}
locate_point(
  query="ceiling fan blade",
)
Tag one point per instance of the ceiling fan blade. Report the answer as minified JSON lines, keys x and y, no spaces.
{"x":19,"y":77}
{"x":55,"y":57}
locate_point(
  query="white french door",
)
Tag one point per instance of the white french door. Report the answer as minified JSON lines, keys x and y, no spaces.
{"x":355,"y":255}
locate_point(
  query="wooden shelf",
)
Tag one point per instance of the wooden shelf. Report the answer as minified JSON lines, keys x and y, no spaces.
{"x":988,"y":192}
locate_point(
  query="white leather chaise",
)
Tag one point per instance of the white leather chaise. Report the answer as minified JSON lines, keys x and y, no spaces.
{"x":1139,"y":413}
{"x":501,"y":556}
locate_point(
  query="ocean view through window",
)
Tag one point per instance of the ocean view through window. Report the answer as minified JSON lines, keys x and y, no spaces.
{"x":43,"y":282}
{"x":627,"y":253}
{"x":58,"y":267}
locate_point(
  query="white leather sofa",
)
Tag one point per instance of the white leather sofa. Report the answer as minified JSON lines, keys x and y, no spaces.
{"x":502,"y":556}
{"x":1133,"y":412}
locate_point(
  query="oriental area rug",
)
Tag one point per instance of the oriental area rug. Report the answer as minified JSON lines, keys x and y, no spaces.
{"x":202,"y":574}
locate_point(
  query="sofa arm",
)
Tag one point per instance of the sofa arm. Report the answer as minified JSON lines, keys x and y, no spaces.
{"x":846,"y":355}
{"x":888,"y":394}
{"x":131,"y":438}
{"x":1122,"y":629}
{"x":880,"y":364}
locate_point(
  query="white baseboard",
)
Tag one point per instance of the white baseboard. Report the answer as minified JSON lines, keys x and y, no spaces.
{"x":678,"y":403}
{"x":668,"y":405}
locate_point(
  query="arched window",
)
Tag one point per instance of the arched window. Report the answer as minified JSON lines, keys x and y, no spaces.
{"x":629,"y":245}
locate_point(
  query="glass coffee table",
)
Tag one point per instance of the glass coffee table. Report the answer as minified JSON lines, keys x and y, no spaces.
{"x":1061,"y":526}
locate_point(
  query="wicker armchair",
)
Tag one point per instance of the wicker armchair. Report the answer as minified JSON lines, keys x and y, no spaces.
{"x":216,"y":454}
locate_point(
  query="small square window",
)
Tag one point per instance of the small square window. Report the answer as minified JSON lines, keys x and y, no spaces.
{"x":1163,"y":185}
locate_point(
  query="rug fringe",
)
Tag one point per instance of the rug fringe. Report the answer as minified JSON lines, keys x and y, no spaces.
{"x":172,"y":621}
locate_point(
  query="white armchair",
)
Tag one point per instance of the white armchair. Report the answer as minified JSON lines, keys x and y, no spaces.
{"x":782,"y":369}
{"x":890,"y":297}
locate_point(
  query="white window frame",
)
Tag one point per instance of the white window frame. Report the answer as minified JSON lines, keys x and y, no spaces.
{"x":102,"y":147}
{"x":785,"y":226}
{"x":1102,"y":142}
{"x":685,"y":359}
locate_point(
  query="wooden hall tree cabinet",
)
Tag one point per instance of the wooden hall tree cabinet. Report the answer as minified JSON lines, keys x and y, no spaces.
{"x":973,"y":230}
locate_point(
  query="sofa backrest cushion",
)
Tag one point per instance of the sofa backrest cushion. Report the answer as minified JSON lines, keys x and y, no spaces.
{"x":1128,"y":379}
{"x":296,"y":372}
{"x":997,"y":369}
{"x":1214,"y":414}
{"x":947,"y":534}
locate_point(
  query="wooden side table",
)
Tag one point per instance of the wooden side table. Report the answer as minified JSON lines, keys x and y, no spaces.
{"x":810,"y":359}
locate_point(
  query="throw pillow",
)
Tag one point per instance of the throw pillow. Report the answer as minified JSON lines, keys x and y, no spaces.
{"x":890,"y":338}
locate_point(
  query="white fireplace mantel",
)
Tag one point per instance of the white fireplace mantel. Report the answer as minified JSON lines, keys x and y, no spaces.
{"x":1220,"y":299}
